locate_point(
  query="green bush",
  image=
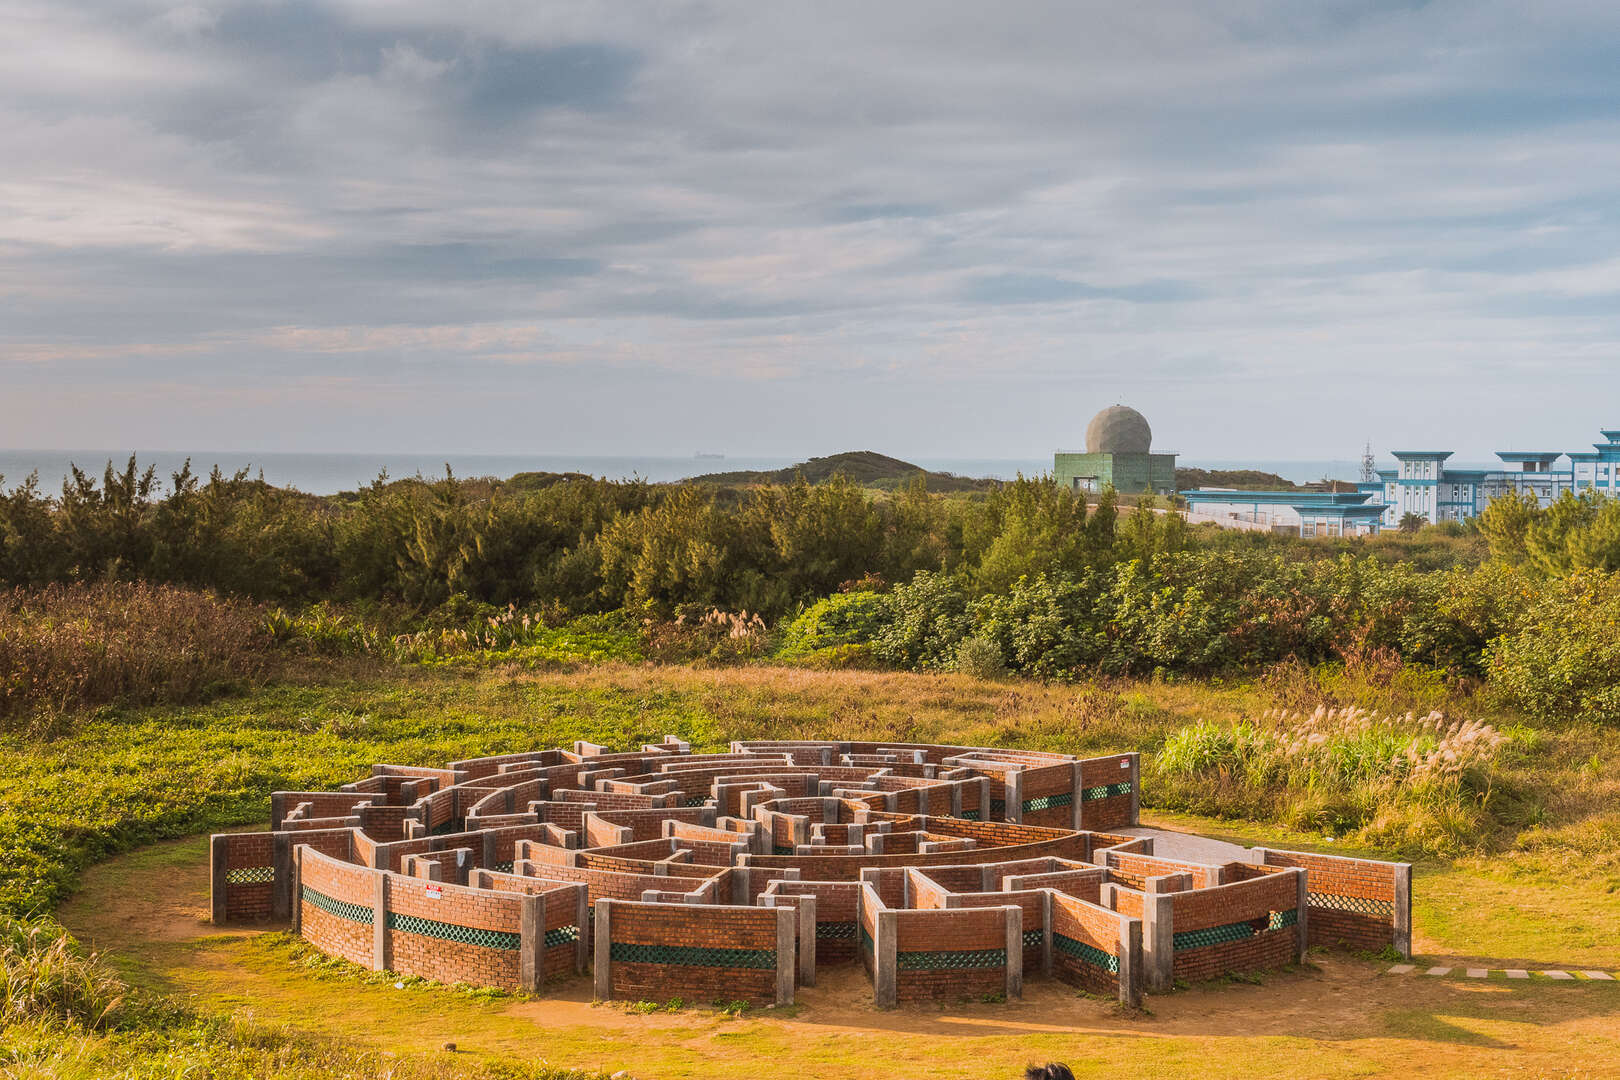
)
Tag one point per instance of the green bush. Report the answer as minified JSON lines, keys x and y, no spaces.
{"x":1561,"y":662}
{"x":853,"y":618}
{"x":929,"y":618}
{"x":981,"y":658}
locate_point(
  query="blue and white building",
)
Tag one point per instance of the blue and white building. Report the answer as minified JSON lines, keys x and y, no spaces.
{"x":1421,"y":483}
{"x":1305,"y":513}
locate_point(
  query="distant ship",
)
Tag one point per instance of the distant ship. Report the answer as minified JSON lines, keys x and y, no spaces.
{"x":701,"y":456}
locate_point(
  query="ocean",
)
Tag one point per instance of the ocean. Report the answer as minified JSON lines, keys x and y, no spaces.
{"x":326,"y":474}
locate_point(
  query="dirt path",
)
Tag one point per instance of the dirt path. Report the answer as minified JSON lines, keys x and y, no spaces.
{"x":1341,"y":1018}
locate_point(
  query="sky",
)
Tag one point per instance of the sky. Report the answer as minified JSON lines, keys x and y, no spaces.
{"x":931,"y":228}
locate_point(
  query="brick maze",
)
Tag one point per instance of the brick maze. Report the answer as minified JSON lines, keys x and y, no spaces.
{"x":944,"y":871}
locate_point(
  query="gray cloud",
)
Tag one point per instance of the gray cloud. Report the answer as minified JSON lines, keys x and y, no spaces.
{"x":959,"y":225}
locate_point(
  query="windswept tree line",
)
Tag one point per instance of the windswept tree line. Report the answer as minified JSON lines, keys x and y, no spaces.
{"x":571,"y":544}
{"x":1027,"y":576}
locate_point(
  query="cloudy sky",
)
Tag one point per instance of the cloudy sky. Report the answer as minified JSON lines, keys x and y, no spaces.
{"x":931,"y":228}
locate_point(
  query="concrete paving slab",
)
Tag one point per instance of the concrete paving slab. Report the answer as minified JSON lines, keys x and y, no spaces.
{"x":1558,"y":974}
{"x":1603,"y":976}
{"x":1517,"y":973}
{"x":1402,"y":969}
{"x":1438,"y":971}
{"x":1478,"y":973}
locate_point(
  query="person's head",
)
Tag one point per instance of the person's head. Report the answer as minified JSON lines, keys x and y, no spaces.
{"x":1052,"y":1070}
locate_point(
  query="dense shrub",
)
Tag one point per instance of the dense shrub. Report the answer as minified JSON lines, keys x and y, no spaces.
{"x":840,"y":619}
{"x":1561,"y":660}
{"x":928,"y":618}
{"x":71,"y":646}
{"x":981,"y":658}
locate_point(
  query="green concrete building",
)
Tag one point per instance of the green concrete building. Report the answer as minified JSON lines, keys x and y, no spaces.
{"x":1118,"y":452}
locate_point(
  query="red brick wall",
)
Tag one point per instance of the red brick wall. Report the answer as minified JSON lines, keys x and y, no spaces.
{"x":836,"y":907}
{"x":248,"y":854}
{"x":1250,"y":902}
{"x":1337,"y":886}
{"x":849,"y":867}
{"x":343,"y":882}
{"x":1033,"y":904}
{"x":1092,"y":926}
{"x":948,"y":931}
{"x":432,"y":957}
{"x":688,"y":926}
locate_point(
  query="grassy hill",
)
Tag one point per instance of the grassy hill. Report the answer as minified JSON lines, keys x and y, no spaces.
{"x":1242,"y":479}
{"x":865,"y":467}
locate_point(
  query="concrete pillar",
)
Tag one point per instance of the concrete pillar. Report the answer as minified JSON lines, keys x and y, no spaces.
{"x":1046,"y":935}
{"x":787,"y":922}
{"x":219,"y":846}
{"x":281,"y":886}
{"x":1136,"y":789}
{"x":1078,"y":809}
{"x":278,"y":808}
{"x":297,"y":889}
{"x":582,"y":923}
{"x":1015,"y":951}
{"x":532,"y":942}
{"x":379,"y":920}
{"x":1403,"y":909}
{"x":1301,"y":912}
{"x":886,"y":959}
{"x":1015,"y":797}
{"x":488,"y":854}
{"x":1158,"y":940}
{"x":1131,"y":961}
{"x":604,"y":949}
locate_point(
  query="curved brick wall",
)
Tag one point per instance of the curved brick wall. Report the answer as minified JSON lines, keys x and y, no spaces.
{"x":945,"y":871}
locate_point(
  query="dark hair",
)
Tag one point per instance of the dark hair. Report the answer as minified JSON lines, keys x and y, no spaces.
{"x":1052,"y":1070}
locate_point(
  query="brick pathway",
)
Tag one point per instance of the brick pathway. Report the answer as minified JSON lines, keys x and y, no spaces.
{"x":1510,"y":973}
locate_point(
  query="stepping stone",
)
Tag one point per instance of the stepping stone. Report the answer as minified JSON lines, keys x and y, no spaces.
{"x":1603,"y":975}
{"x":1478,"y":973}
{"x":1558,"y":974}
{"x":1401,"y":969}
{"x":1517,"y":973}
{"x":1438,"y":971}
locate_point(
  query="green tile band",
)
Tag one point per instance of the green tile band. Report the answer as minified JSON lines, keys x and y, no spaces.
{"x":250,"y":875}
{"x":626,"y":952}
{"x":1048,"y":802}
{"x":561,"y":935}
{"x":466,"y":935}
{"x":695,"y":800}
{"x":970,"y":815}
{"x":1229,"y":932}
{"x":502,"y":867}
{"x":778,"y":849}
{"x":359,"y":913}
{"x":952,"y":960}
{"x":835,"y":931}
{"x":867,"y":944}
{"x":1032,"y":938}
{"x":1106,"y":791}
{"x":1356,"y":905}
{"x":1088,"y":954}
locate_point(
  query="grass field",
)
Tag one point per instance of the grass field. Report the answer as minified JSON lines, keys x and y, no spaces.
{"x":1541,"y":892}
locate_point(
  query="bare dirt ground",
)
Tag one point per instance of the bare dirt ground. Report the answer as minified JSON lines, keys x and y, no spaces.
{"x":1340,"y":1017}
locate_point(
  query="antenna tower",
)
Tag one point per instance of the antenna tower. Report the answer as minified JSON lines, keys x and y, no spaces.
{"x":1369,"y":472}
